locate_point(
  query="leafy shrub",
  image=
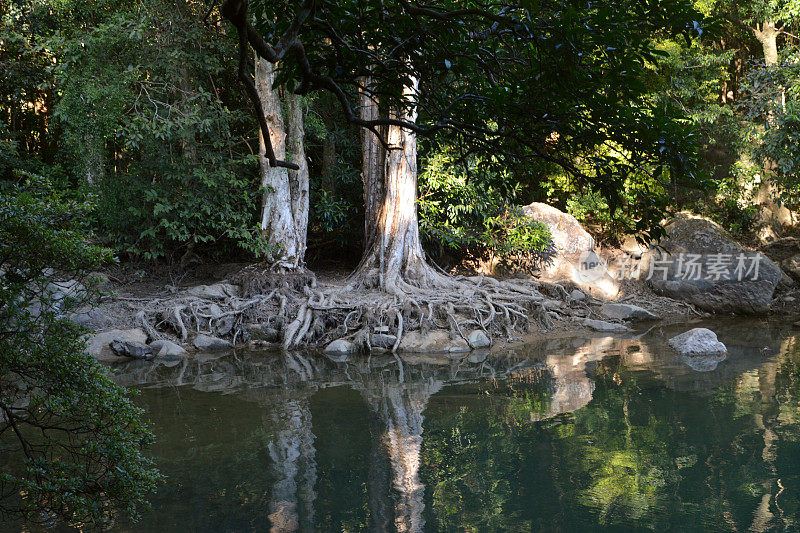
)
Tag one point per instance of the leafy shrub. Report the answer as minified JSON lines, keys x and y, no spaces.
{"x":463,"y":209}
{"x":512,"y":236}
{"x":163,"y":146}
{"x":73,"y":441}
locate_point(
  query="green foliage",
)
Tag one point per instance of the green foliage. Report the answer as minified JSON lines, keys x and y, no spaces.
{"x":512,"y":235}
{"x":71,"y":441}
{"x":463,"y":209}
{"x":148,"y":116}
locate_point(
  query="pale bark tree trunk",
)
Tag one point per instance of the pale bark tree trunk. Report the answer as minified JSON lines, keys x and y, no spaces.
{"x":373,"y":168}
{"x":284,"y":214}
{"x":393,"y":260}
{"x":767,"y":34}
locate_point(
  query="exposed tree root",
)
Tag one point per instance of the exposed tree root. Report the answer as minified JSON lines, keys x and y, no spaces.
{"x":295,"y":311}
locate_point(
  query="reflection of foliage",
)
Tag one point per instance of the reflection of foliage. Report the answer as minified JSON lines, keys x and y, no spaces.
{"x":639,"y":455}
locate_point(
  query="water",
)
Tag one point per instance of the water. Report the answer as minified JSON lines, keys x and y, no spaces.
{"x":568,"y":435}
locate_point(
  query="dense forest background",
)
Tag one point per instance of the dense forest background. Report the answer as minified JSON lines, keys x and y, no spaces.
{"x":134,"y":108}
{"x":127,"y":132}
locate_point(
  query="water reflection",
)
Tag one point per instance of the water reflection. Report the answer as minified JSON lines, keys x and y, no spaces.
{"x":568,"y":433}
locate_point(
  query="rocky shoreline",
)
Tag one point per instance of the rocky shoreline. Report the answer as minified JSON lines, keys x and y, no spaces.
{"x":615,"y":293}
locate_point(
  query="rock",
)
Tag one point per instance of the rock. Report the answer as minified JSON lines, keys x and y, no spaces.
{"x":56,"y":296}
{"x":478,"y":339}
{"x":91,"y":319}
{"x":602,"y":325}
{"x":577,"y":295}
{"x":704,"y":266}
{"x":262,"y":332}
{"x":99,"y":280}
{"x":786,"y":282}
{"x":98,"y":345}
{"x":781,"y":249}
{"x":224,"y":325}
{"x":217,"y":291}
{"x":575,"y":258}
{"x":697,"y":341}
{"x":436,"y":341}
{"x":341,"y":347}
{"x":132,"y":349}
{"x":167,"y":350}
{"x":207,"y":342}
{"x":632,"y":247}
{"x":382,"y":340}
{"x":626,"y":312}
{"x":569,"y":237}
{"x":791,"y":266}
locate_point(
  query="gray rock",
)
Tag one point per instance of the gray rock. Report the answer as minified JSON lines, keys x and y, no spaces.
{"x":98,"y":345}
{"x":167,"y":349}
{"x":578,"y":295}
{"x":569,"y":237}
{"x":632,"y":247}
{"x":207,"y":342}
{"x":224,"y":325}
{"x":602,"y":325}
{"x":66,"y":289}
{"x":262,"y":332}
{"x":217,"y":291}
{"x":575,"y":259}
{"x":436,"y":341}
{"x":698,"y":342}
{"x":689,"y":236}
{"x":383,"y":340}
{"x":341,"y":347}
{"x":626,"y":312}
{"x":478,"y":339}
{"x":91,"y":319}
{"x":791,"y":266}
{"x":99,"y":280}
{"x":132,"y":349}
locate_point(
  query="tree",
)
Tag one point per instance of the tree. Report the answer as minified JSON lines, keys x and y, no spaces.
{"x":475,"y":65}
{"x":284,"y":214}
{"x":73,"y":442}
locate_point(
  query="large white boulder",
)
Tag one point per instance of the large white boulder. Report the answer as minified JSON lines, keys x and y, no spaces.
{"x":576,"y":259}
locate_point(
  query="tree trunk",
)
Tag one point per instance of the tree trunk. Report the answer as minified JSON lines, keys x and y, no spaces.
{"x":393,"y":258}
{"x":373,"y":167}
{"x":284,"y":215}
{"x":767,"y":35}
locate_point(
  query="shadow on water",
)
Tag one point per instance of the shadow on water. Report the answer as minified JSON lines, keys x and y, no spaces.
{"x":574,"y":433}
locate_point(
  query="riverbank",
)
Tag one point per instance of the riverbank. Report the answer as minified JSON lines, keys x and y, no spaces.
{"x":141,"y":309}
{"x":697,"y":270}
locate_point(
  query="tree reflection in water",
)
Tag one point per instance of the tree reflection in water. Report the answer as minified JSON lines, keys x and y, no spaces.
{"x":571,"y":433}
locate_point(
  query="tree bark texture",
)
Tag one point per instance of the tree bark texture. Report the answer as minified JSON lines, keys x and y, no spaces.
{"x":284,"y":213}
{"x":393,"y":255}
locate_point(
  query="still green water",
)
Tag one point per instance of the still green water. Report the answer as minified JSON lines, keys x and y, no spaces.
{"x":575,"y":434}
